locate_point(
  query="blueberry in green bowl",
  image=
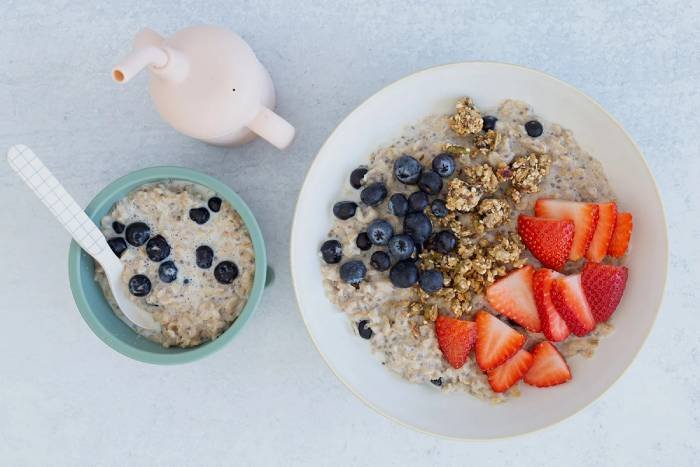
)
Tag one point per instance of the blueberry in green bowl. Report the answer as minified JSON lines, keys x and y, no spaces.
{"x":176,"y":231}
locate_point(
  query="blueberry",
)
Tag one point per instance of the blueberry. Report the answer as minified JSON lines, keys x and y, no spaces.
{"x":439,"y":208}
{"x":199,"y":215}
{"x":430,"y":280}
{"x":204,"y":256}
{"x":418,"y":226}
{"x":167,"y":271}
{"x":363,"y":242}
{"x":430,"y":182}
{"x":157,"y":248}
{"x":445,"y":241}
{"x":118,"y":227}
{"x":226,"y":272}
{"x":417,"y":201}
{"x":332,"y":251}
{"x":137,"y":233}
{"x":437,"y":382}
{"x":533,"y":128}
{"x":214,"y":204}
{"x":401,"y":246}
{"x":357,"y":176}
{"x":373,"y":194}
{"x":344,"y":209}
{"x":489,"y":123}
{"x":118,"y":246}
{"x":407,"y":170}
{"x":364,"y":330}
{"x":404,"y":274}
{"x":139,"y":285}
{"x":380,"y":231}
{"x":353,"y":272}
{"x":398,"y":205}
{"x":444,"y":164}
{"x":380,"y":261}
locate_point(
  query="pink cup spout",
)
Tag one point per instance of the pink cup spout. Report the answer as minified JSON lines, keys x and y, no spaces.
{"x":164,"y":61}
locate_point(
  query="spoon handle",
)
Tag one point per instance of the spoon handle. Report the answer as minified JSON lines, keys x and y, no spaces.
{"x":45,"y":186}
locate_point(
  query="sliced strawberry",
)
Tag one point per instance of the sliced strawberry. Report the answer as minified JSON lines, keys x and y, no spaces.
{"x":621,"y":235}
{"x":510,"y":372}
{"x":570,"y":302}
{"x":549,"y":240}
{"x":554,"y":327}
{"x":456,"y":339}
{"x":548,"y":367}
{"x":496,"y":342}
{"x":607,"y":216}
{"x":603,"y":286}
{"x":512,"y":296}
{"x":584,"y":215}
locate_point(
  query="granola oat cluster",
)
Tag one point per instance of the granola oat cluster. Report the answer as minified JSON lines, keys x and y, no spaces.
{"x":479,"y":202}
{"x":467,"y":120}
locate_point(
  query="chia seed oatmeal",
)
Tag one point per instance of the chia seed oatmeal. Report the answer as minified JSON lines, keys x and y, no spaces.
{"x":505,"y":159}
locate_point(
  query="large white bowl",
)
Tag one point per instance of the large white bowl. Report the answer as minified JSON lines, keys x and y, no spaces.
{"x":380,"y":119}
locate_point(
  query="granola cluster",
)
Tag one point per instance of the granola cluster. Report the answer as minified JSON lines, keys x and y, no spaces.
{"x":493,"y":212}
{"x":462,"y":197}
{"x":467,"y":120}
{"x":487,"y":141}
{"x":529,"y":171}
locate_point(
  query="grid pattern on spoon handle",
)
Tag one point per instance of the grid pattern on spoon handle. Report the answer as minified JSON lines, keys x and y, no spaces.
{"x":40,"y":180}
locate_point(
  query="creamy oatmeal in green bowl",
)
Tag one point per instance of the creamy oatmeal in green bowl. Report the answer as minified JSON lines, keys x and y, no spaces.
{"x":188,"y":260}
{"x":194,"y":258}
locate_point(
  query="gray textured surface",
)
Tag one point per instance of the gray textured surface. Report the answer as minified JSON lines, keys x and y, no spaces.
{"x":67,"y":399}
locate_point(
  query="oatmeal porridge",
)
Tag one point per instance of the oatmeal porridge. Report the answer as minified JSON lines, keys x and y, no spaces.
{"x":188,"y":260}
{"x":441,"y":235}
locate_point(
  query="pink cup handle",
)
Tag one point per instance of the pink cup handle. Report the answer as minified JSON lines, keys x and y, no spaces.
{"x":270,"y":126}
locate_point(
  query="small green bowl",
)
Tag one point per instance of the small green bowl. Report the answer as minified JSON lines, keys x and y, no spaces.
{"x":94,"y":307}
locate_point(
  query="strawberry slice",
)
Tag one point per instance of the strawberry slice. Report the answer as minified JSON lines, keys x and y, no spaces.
{"x":456,"y":339}
{"x":512,"y":296}
{"x":554,"y":327}
{"x":607,"y":216}
{"x":496,"y":342}
{"x":549,"y":240}
{"x":603,"y":286}
{"x":621,"y":235}
{"x":507,"y":374}
{"x":570,"y":302}
{"x":548,"y":367}
{"x":584,"y":215}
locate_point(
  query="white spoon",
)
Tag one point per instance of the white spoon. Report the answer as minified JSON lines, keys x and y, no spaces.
{"x":79,"y":225}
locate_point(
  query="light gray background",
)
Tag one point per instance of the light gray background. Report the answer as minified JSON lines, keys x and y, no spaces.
{"x":67,"y":399}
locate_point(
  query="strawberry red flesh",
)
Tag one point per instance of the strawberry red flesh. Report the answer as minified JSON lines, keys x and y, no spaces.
{"x":607,"y":217}
{"x":621,"y":235}
{"x":510,"y":372}
{"x":570,"y":302}
{"x":554,"y":327}
{"x":456,"y":339}
{"x":548,"y":367}
{"x":496,"y":342}
{"x":584,"y":215}
{"x":512,"y":296}
{"x":603,"y":286}
{"x":549,"y":240}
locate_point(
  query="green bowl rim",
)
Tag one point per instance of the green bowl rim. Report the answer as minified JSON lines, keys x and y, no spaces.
{"x":150,"y":175}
